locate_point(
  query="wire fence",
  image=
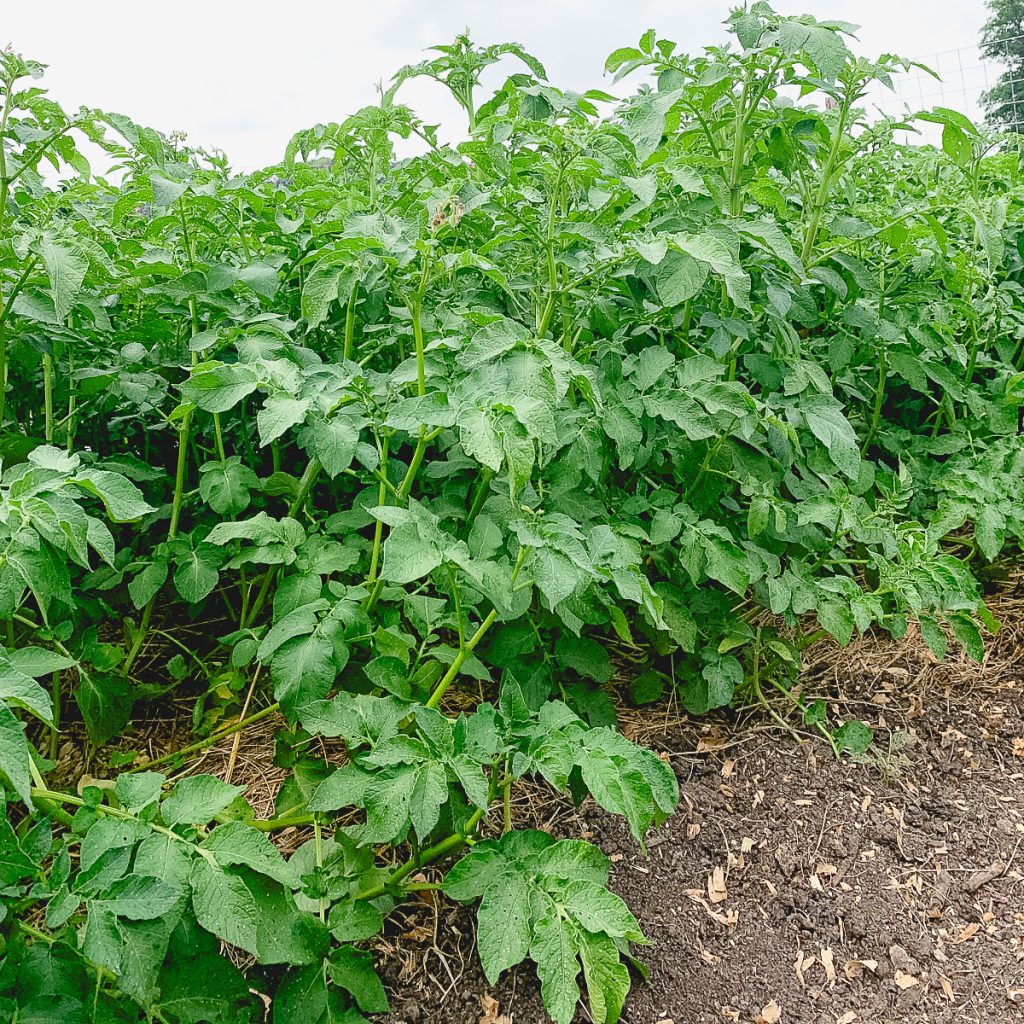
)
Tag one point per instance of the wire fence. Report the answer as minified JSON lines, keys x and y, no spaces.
{"x":961,"y":78}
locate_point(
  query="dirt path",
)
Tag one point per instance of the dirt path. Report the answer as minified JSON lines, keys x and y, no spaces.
{"x":790,"y":888}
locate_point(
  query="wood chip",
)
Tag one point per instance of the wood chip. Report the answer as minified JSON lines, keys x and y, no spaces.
{"x":489,"y":1011}
{"x":770,"y":1014}
{"x":985,"y":875}
{"x":905,"y":981}
{"x":855,"y":968}
{"x":828,"y":961}
{"x":717,"y":891}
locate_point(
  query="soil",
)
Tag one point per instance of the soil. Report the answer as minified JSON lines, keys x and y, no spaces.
{"x":793,"y":888}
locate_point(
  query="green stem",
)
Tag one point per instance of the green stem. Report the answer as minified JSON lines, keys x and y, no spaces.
{"x":6,"y":312}
{"x":545,"y":318}
{"x":69,"y":419}
{"x":506,"y":804}
{"x":479,"y":495}
{"x":48,"y":397}
{"x":55,"y":731}
{"x":825,"y":185}
{"x":427,"y":856}
{"x":350,"y":321}
{"x":403,"y":492}
{"x":467,"y":649}
{"x":378,"y":529}
{"x":739,"y":143}
{"x":306,"y":483}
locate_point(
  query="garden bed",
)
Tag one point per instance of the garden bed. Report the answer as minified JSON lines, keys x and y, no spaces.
{"x":787,"y":883}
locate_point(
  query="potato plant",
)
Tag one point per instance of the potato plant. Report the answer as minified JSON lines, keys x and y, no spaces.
{"x":417,"y":454}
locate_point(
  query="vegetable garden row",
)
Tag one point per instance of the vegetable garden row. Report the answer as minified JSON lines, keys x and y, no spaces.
{"x":418,"y":454}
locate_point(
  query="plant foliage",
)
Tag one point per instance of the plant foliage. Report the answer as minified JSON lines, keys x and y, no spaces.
{"x":416,"y":452}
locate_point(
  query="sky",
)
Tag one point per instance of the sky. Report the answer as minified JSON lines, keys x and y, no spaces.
{"x":244,"y":76}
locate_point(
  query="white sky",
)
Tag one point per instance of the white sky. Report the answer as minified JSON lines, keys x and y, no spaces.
{"x":244,"y":76}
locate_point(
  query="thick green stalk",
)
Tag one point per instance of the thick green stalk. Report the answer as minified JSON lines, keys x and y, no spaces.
{"x":544,"y":320}
{"x":350,"y":321}
{"x":467,"y":649}
{"x":427,"y":856}
{"x":403,"y":492}
{"x":48,"y":397}
{"x":739,"y":143}
{"x":5,"y":314}
{"x":306,"y":482}
{"x":184,"y":434}
{"x":378,"y":530}
{"x":825,"y":185}
{"x":69,"y":419}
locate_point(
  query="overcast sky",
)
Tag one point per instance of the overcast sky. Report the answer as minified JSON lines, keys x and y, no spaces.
{"x":244,"y":76}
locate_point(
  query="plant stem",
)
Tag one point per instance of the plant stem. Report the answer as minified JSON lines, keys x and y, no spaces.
{"x":306,"y":482}
{"x":432,"y":853}
{"x":378,"y":529}
{"x":350,"y":322}
{"x":466,"y":650}
{"x":55,"y":731}
{"x":825,"y":184}
{"x":48,"y":397}
{"x":8,"y":306}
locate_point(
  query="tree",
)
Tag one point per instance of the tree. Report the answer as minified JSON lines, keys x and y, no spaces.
{"x":1002,"y":39}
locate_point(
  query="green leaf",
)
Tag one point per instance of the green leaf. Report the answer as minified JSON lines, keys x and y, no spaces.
{"x":679,"y":277}
{"x":408,"y":556}
{"x":37,"y":661}
{"x":220,"y":388}
{"x":197,"y":572}
{"x":824,"y":417}
{"x":105,"y":700}
{"x":333,"y":442}
{"x":306,"y":996}
{"x":606,"y":976}
{"x":236,"y":843}
{"x":599,"y":910}
{"x":320,"y":289}
{"x":14,"y":755}
{"x":198,"y":985}
{"x":139,"y":790}
{"x":355,"y":920}
{"x":554,"y":952}
{"x":66,"y":268}
{"x":137,"y":897}
{"x":223,"y":904}
{"x":727,"y":564}
{"x":225,"y":486}
{"x":279,"y":414}
{"x":853,"y":737}
{"x":197,"y":799}
{"x":121,"y":498}
{"x":503,"y":923}
{"x":352,"y":969}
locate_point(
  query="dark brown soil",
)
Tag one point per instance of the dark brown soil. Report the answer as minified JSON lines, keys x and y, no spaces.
{"x":793,"y":888}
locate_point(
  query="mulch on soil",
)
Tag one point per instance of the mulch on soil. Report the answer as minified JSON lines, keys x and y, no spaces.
{"x":793,"y":888}
{"x":789,"y":888}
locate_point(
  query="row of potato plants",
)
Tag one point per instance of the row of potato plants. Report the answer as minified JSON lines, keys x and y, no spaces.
{"x":679,"y":382}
